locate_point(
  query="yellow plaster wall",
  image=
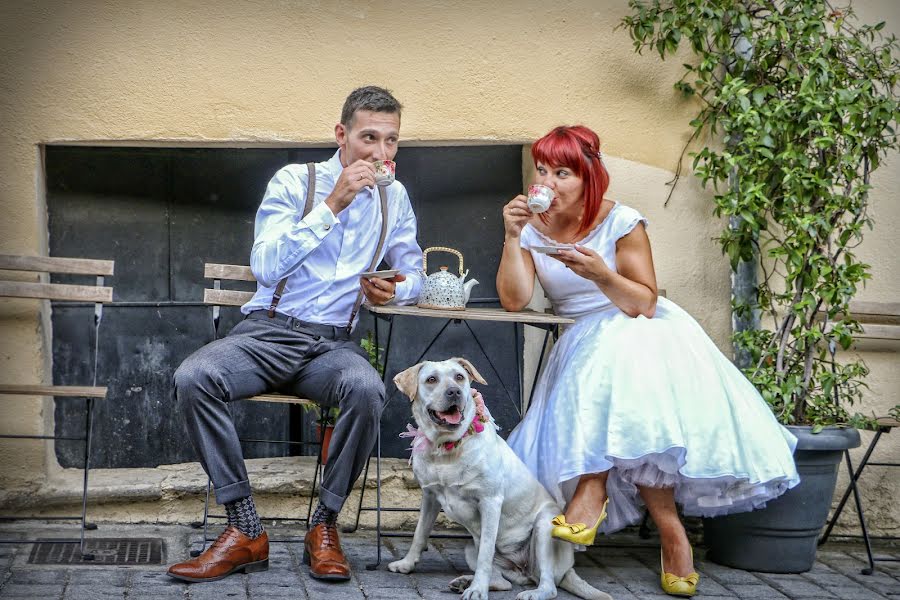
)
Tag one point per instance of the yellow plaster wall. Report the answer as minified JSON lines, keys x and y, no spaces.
{"x":274,"y":73}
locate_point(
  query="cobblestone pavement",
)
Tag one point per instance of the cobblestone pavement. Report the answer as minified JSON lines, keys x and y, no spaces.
{"x":626,"y":572}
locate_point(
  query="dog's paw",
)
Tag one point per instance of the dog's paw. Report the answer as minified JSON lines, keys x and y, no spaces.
{"x":461,"y":583}
{"x":402,"y":566}
{"x":474,"y":594}
{"x":536,"y":594}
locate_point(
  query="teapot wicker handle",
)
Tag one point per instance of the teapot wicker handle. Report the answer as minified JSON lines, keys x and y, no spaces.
{"x":441,"y":249}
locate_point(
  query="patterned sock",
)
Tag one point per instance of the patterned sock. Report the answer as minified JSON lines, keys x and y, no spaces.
{"x":323,"y":514}
{"x":242,"y":514}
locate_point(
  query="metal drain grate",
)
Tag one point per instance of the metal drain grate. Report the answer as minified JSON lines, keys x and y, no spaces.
{"x":106,"y":551}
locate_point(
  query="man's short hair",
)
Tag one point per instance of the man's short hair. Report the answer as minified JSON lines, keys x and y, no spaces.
{"x":372,"y":98}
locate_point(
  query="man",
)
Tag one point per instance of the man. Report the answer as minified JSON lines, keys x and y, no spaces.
{"x":295,"y":337}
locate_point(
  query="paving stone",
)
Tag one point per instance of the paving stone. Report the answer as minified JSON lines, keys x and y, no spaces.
{"x":140,"y":580}
{"x":158,"y":593}
{"x":728,"y":576}
{"x":386,"y":579}
{"x":433,"y":581}
{"x":100,"y":577}
{"x":748,"y":592}
{"x":262,"y":591}
{"x":796,"y":587}
{"x":377,"y":593}
{"x":616,"y":590}
{"x":854,"y":593}
{"x":877,"y":581}
{"x":637,"y":579}
{"x":209,"y":591}
{"x":31,"y":590}
{"x":90,"y":592}
{"x":39,"y":576}
{"x":283,"y":576}
{"x":320,"y":589}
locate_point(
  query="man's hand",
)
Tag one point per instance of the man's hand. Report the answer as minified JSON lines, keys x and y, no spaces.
{"x":380,"y":291}
{"x":352,"y":179}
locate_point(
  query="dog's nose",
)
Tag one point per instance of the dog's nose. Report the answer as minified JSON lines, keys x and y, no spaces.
{"x":453,"y":393}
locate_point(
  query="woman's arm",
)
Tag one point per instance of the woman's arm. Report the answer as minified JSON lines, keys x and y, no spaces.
{"x":633,"y":287}
{"x":515,"y":277}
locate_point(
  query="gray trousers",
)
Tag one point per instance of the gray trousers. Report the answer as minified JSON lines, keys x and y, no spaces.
{"x":262,"y":355}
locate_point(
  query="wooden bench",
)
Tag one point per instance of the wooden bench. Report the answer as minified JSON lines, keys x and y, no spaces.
{"x":217,"y":297}
{"x":880,"y":320}
{"x":12,"y":286}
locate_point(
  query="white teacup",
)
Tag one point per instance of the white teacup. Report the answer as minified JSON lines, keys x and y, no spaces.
{"x":384,"y":172}
{"x":539,"y":198}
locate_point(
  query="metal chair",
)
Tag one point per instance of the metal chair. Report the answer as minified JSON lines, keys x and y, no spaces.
{"x":98,"y":294}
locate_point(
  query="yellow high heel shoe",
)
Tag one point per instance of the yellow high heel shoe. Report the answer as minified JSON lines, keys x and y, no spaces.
{"x":673,"y":585}
{"x":577,"y":533}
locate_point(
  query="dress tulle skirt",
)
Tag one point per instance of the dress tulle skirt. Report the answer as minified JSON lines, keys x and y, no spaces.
{"x":657,"y":404}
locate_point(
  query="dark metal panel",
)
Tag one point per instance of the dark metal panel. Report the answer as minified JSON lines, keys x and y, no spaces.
{"x":140,"y":424}
{"x":215,"y":194}
{"x":162,"y":213}
{"x":111,"y":204}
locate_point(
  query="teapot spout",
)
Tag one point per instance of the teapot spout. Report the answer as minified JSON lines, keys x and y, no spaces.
{"x":467,"y":289}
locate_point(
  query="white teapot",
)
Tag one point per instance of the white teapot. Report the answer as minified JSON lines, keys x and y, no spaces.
{"x":442,"y":289}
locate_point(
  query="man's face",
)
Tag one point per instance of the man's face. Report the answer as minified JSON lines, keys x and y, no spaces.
{"x":369,"y":136}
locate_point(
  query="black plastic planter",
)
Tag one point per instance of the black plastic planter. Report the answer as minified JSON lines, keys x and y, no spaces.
{"x":781,"y":538}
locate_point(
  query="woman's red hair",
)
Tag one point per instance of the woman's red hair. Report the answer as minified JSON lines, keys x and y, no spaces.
{"x":578,"y":148}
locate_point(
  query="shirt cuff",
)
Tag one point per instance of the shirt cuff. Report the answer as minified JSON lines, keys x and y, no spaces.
{"x":401,"y":293}
{"x":321,"y":220}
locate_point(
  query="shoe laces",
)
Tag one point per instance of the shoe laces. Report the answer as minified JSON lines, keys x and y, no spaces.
{"x":330,"y":537}
{"x":221,"y":540}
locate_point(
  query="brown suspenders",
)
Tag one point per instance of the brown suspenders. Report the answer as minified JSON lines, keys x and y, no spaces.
{"x":310,"y":196}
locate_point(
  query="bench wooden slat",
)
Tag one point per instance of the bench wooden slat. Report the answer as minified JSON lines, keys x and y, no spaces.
{"x":232,"y":272}
{"x":878,"y":331}
{"x":55,"y":291}
{"x":53,"y":390}
{"x":876,"y":312}
{"x":282,"y":399}
{"x":226,"y":297}
{"x":52,"y":264}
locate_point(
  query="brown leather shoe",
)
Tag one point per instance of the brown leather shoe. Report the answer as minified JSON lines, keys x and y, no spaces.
{"x":322,"y":552}
{"x":232,"y":551}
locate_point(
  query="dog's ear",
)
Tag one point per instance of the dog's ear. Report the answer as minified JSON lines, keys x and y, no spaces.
{"x":408,"y":381}
{"x":474,"y":375}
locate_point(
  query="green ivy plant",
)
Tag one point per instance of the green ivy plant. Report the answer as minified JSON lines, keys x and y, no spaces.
{"x":797,"y":107}
{"x":376,"y":354}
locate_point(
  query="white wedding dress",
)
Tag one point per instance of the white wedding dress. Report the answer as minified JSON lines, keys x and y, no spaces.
{"x":653,"y":401}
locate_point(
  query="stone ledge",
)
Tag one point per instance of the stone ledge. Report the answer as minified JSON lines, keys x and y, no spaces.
{"x":176,"y":493}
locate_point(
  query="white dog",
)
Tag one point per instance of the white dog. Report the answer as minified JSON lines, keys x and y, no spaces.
{"x":466,"y":469}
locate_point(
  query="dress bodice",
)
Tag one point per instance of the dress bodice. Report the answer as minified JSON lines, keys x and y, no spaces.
{"x":572,"y":295}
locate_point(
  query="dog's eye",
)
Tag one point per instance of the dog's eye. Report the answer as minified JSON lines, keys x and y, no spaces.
{"x":459,"y":377}
{"x":431,"y":379}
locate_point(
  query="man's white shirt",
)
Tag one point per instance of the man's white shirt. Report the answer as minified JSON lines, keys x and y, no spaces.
{"x":322,"y":254}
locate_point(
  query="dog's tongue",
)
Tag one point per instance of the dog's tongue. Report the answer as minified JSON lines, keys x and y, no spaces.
{"x":452,"y":416}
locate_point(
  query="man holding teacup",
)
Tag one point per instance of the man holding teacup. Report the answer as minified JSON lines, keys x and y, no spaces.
{"x":318,"y":229}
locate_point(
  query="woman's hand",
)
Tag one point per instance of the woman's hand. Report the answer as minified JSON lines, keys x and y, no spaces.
{"x":515,"y":215}
{"x":584,"y":262}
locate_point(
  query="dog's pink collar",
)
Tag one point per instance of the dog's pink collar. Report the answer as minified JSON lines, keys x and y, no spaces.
{"x":420,"y":443}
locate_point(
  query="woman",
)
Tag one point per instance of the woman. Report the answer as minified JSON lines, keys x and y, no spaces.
{"x":636,"y":405}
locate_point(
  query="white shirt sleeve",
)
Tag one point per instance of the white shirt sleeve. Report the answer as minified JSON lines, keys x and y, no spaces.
{"x":282,"y":237}
{"x":403,"y":252}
